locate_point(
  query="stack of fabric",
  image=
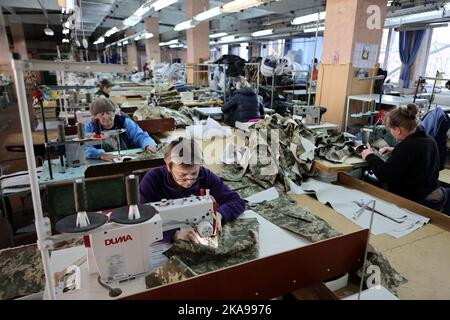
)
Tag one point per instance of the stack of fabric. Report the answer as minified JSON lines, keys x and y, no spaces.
{"x":169,"y":98}
{"x":183,"y":116}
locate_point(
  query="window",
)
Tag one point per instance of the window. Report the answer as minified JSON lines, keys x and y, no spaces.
{"x":273,"y":48}
{"x":303,"y":50}
{"x":439,"y":55}
{"x":383,"y":48}
{"x":394,"y":63}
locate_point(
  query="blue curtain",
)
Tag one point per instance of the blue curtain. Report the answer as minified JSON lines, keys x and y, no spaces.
{"x":409,"y":45}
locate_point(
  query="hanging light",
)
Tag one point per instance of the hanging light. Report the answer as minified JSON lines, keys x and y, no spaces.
{"x":65,"y":31}
{"x":211,"y":13}
{"x":310,"y":18}
{"x":160,"y":4}
{"x":48,"y":31}
{"x":188,"y":24}
{"x":65,"y":40}
{"x":262,"y":33}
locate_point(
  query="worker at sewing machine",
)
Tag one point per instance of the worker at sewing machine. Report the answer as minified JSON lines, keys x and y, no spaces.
{"x":412,"y":171}
{"x":243,"y":106}
{"x":104,"y":88}
{"x":183,"y":176}
{"x":103,"y":111}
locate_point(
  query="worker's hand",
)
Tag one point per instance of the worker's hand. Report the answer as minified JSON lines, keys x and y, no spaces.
{"x":108,"y":157}
{"x":150,"y":149}
{"x":218,"y":223}
{"x":189,"y":234}
{"x":366,"y":152}
{"x":386,"y":150}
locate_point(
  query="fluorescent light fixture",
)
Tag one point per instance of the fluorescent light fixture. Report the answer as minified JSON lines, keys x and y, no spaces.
{"x":227,"y":38}
{"x":147,"y":35}
{"x":66,"y":31}
{"x":211,"y":13}
{"x":262,"y":33}
{"x":307,"y":30}
{"x":238,"y":5}
{"x":309,"y":18}
{"x":188,"y":24}
{"x":100,"y":40}
{"x":160,"y":4}
{"x":131,"y":21}
{"x":174,"y":41}
{"x":111,"y":31}
{"x":176,"y":45}
{"x":142,"y":10}
{"x":65,"y":40}
{"x":125,"y":42}
{"x":218,"y":35}
{"x":414,"y":18}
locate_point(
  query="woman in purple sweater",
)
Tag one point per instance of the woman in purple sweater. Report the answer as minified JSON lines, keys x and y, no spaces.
{"x":183,"y":176}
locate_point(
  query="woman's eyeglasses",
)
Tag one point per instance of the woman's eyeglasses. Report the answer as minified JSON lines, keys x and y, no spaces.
{"x":186,"y":177}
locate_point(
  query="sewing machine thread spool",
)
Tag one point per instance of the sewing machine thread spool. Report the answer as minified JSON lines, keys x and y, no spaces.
{"x":132,"y":187}
{"x":80,"y":131}
{"x":79,"y":190}
{"x":97,"y":127}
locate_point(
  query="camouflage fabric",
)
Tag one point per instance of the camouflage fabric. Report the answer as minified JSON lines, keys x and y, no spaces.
{"x":21,"y":272}
{"x":158,"y":154}
{"x":390,"y":278}
{"x":286,"y":214}
{"x":239,"y":242}
{"x":183,"y":116}
{"x":172,"y":271}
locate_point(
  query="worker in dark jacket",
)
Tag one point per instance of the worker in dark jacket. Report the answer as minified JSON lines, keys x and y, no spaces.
{"x":243,"y":106}
{"x":412,"y":171}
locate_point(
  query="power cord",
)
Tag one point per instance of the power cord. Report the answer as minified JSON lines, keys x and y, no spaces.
{"x":113,"y":292}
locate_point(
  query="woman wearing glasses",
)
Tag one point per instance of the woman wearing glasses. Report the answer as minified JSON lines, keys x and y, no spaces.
{"x":183,"y":176}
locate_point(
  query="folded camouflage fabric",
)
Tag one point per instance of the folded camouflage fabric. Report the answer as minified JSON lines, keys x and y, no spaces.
{"x":287,"y":214}
{"x":239,"y":242}
{"x":21,"y":272}
{"x":172,"y":271}
{"x":158,"y":154}
{"x":183,"y":116}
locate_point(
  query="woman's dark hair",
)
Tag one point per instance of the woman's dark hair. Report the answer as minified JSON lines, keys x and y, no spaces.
{"x":104,"y":83}
{"x":403,"y":117}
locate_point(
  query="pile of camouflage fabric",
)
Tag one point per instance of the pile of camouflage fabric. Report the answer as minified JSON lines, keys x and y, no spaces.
{"x":238,"y":243}
{"x":290,"y":154}
{"x":169,"y":98}
{"x":183,"y":116}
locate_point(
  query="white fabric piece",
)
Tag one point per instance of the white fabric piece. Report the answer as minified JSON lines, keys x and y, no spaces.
{"x":343,"y":201}
{"x":266,"y":195}
{"x":207,"y":131}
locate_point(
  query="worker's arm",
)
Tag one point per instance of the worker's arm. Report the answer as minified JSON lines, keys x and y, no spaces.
{"x":230,"y":105}
{"x":137,"y":135}
{"x":394,"y":167}
{"x":230,"y":203}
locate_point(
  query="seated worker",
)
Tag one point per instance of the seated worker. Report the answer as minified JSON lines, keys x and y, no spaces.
{"x":412,"y":171}
{"x":183,"y":176}
{"x":104,"y":88}
{"x":243,"y":106}
{"x":134,"y":137}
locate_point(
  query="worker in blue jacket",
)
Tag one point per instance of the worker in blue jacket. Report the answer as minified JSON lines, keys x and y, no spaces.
{"x":103,"y":111}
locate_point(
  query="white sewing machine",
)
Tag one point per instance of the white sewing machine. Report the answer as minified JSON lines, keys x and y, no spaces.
{"x":118,"y":251}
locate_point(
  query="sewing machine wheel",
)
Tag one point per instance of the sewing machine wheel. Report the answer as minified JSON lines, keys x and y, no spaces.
{"x":120,"y":215}
{"x":68,"y":224}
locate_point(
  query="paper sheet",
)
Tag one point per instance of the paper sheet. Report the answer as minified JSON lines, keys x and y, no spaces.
{"x":343,"y":201}
{"x":266,"y":195}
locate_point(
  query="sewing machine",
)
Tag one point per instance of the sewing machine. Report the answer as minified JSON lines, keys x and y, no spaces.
{"x":122,"y":251}
{"x":118,"y":243}
{"x":309,"y":114}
